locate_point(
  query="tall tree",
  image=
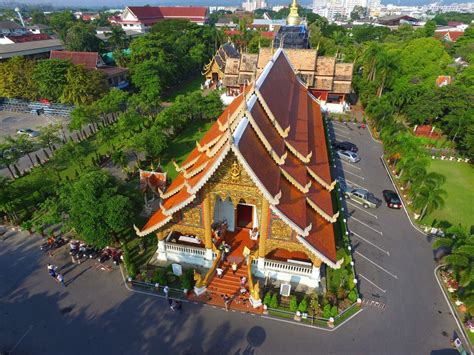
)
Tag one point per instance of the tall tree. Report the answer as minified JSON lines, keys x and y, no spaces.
{"x":49,"y":136}
{"x":61,"y":22}
{"x":16,"y":78}
{"x":82,"y":38}
{"x":111,"y":213}
{"x":117,"y":38}
{"x":83,"y":86}
{"x":50,"y":77}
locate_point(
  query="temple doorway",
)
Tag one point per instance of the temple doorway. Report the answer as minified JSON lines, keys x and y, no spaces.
{"x":224,"y":211}
{"x":246,"y":215}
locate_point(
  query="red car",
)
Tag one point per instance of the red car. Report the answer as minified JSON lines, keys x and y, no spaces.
{"x":392,"y":199}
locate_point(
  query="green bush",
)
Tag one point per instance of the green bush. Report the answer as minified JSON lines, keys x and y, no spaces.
{"x":333,"y":311}
{"x":274,"y":301}
{"x":185,"y":282}
{"x":293,"y":304}
{"x":352,"y":296}
{"x":303,"y":306}
{"x":327,"y":311}
{"x":27,"y":225}
{"x":267,"y":299}
{"x":132,"y":271}
{"x":159,"y":277}
{"x":340,"y":118}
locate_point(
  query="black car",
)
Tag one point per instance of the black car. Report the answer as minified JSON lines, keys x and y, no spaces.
{"x":392,"y":199}
{"x":346,"y":146}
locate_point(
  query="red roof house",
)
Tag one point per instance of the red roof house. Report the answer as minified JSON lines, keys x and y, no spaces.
{"x":450,"y":36}
{"x":139,"y":18}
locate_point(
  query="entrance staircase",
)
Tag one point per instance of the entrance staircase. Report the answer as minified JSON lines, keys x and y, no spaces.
{"x":229,"y":283}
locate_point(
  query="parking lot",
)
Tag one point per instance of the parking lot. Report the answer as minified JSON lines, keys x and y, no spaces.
{"x":393,"y":260}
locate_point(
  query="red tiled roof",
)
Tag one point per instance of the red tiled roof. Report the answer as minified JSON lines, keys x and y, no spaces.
{"x":29,"y":38}
{"x":452,"y":36}
{"x":193,"y":13}
{"x":281,"y":173}
{"x":87,"y":59}
{"x":443,"y":80}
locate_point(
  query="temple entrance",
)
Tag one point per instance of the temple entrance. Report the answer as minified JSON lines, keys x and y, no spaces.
{"x":224,"y":211}
{"x":244,"y":216}
{"x":215,"y":77}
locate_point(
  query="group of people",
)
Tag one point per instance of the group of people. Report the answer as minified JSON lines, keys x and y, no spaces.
{"x":52,"y":271}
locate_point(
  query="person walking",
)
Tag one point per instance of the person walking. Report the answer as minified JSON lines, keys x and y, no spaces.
{"x":219,"y":272}
{"x":234,"y":268}
{"x":243,"y":280}
{"x":52,"y":270}
{"x":166,"y":290}
{"x":60,"y":279}
{"x":226,"y":302}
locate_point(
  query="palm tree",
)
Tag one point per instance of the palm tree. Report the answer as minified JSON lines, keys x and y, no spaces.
{"x":119,"y":158}
{"x":117,"y":38}
{"x":370,"y":57}
{"x":386,"y":64}
{"x":428,"y":200}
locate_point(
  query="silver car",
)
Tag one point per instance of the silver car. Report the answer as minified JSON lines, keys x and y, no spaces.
{"x":348,"y":156}
{"x":362,"y":197}
{"x":28,"y":132}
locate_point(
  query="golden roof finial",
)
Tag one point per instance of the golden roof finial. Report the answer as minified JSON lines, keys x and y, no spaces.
{"x":293,"y":18}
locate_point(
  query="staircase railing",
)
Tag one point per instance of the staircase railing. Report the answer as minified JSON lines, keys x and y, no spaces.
{"x":254,"y":288}
{"x":203,"y":282}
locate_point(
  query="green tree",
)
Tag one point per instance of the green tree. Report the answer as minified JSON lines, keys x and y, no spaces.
{"x":121,"y":59}
{"x":82,"y":38}
{"x":429,"y":200}
{"x":358,"y":12}
{"x":23,"y":144}
{"x":83,"y":115}
{"x":50,"y":77}
{"x":61,"y":22}
{"x":69,"y":154}
{"x":49,"y":136}
{"x":16,"y":78}
{"x":293,"y":304}
{"x":111,"y":213}
{"x":116,"y":38}
{"x":430,"y":27}
{"x":83,"y":86}
{"x":9,"y":156}
{"x":274,"y":301}
{"x":38,"y":18}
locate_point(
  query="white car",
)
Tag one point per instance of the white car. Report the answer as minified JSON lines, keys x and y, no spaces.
{"x":29,"y":132}
{"x":348,"y":156}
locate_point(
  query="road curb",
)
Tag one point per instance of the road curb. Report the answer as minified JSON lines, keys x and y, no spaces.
{"x":401,"y":196}
{"x":453,"y":312}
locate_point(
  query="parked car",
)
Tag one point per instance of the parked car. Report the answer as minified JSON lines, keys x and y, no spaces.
{"x":348,"y":156}
{"x":363,"y":197}
{"x":392,"y":199}
{"x":346,"y":146}
{"x":28,"y":132}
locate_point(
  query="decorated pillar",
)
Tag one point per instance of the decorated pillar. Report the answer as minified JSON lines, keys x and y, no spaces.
{"x":206,"y":204}
{"x":264,"y":225}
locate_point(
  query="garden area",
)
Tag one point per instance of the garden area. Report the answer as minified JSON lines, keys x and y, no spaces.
{"x":458,"y":206}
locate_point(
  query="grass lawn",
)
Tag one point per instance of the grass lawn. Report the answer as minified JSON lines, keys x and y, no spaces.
{"x":459,"y":186}
{"x":182,"y":145}
{"x":186,"y":87}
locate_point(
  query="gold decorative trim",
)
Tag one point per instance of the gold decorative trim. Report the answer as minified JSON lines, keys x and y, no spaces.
{"x":222,"y":139}
{"x":323,"y":183}
{"x":196,"y":171}
{"x":186,"y":166}
{"x":301,"y":188}
{"x":323,"y":214}
{"x":298,"y":154}
{"x":168,"y":194}
{"x":177,"y":207}
{"x":316,"y":252}
{"x":290,"y":223}
{"x":267,"y":145}
{"x":281,"y":131}
{"x":151,"y":229}
{"x":272,"y":199}
{"x":208,"y":145}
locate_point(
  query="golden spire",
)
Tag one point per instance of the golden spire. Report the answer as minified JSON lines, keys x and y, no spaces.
{"x":293,"y":18}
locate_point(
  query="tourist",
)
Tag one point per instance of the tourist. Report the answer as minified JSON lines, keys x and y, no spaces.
{"x":166,"y":290}
{"x":226,"y":302}
{"x":219,"y":272}
{"x":243,"y":280}
{"x":60,"y":279}
{"x":234,"y":268}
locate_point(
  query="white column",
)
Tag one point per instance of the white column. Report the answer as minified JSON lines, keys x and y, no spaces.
{"x":209,"y":254}
{"x":161,"y":251}
{"x":316,"y":275}
{"x":261,"y":264}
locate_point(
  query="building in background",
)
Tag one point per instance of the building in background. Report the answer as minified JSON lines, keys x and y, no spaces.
{"x":294,"y":34}
{"x":252,"y":5}
{"x":116,"y":77}
{"x":141,"y":18}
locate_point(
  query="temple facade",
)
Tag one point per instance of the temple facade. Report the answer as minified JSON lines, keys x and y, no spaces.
{"x":259,"y":182}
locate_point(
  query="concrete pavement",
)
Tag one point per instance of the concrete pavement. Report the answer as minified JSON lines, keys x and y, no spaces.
{"x":97,"y":314}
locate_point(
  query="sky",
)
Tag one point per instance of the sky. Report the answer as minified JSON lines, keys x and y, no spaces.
{"x":122,"y":3}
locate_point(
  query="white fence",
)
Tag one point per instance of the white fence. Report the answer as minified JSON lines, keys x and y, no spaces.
{"x":282,"y":266}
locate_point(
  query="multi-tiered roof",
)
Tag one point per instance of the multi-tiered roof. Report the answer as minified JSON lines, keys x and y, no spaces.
{"x":275,"y":129}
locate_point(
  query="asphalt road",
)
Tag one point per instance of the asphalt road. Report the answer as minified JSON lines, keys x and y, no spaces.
{"x":95,"y":314}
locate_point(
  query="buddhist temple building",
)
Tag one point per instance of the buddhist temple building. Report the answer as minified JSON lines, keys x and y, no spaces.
{"x":215,"y":69}
{"x":258,"y":181}
{"x":294,"y":34}
{"x":327,"y":79}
